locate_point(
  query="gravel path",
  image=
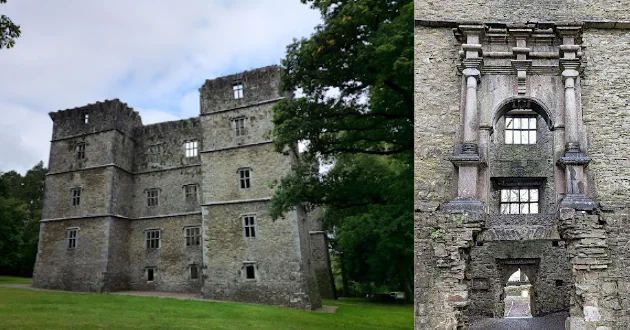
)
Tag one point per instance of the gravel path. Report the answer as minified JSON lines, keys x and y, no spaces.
{"x":549,"y":322}
{"x":517,"y":306}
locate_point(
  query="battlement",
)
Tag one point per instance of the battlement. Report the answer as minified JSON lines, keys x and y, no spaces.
{"x":94,"y":118}
{"x":167,"y":126}
{"x":242,"y":89}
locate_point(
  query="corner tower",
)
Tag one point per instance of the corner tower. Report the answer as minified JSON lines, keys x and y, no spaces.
{"x":248,"y":256}
{"x":86,"y":201}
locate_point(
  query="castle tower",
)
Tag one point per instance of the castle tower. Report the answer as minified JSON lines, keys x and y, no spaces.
{"x":517,"y":109}
{"x":82,"y":245}
{"x":248,"y":256}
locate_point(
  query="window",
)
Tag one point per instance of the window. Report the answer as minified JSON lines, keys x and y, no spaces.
{"x":190,"y":192}
{"x":71,"y":235}
{"x":194,"y":272}
{"x":249,"y":225}
{"x":152,"y":197}
{"x":150,"y":274}
{"x":250,"y":272}
{"x":153,"y":238}
{"x":76,"y":196}
{"x":519,"y":201}
{"x":520,"y":130}
{"x":239,"y":126}
{"x":86,"y":117}
{"x":80,"y":149}
{"x":243,"y":174}
{"x":190,"y":148}
{"x":193,"y":236}
{"x":238,"y":90}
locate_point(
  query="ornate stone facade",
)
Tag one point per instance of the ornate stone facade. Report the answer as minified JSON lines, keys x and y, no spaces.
{"x":178,"y":206}
{"x":518,"y":107}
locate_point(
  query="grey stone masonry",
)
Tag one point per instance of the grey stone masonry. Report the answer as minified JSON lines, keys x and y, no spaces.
{"x":521,"y":109}
{"x":179,"y":206}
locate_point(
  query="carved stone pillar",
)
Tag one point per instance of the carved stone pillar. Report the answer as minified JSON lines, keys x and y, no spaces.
{"x":467,"y":158}
{"x":574,"y":160}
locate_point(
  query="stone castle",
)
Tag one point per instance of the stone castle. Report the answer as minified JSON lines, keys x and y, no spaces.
{"x":179,"y":206}
{"x":522,"y":109}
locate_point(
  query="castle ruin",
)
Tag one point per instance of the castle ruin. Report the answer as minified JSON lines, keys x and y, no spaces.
{"x":179,"y":206}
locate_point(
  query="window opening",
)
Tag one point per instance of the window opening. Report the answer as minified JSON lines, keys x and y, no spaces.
{"x":244,"y":178}
{"x":71,"y":234}
{"x":76,"y":196}
{"x":86,"y":118}
{"x":152,"y":197}
{"x":194,"y":272}
{"x":193,"y":236}
{"x":237,"y":88}
{"x":249,"y":225}
{"x":190,"y":192}
{"x":250,"y":272}
{"x":153,"y":239}
{"x":520,"y":130}
{"x":519,"y":201}
{"x":150,"y":274}
{"x":80,"y":149}
{"x":239,"y":126}
{"x":191,"y":149}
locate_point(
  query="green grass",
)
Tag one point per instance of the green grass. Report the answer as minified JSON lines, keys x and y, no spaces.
{"x":29,"y":309}
{"x":14,"y":280}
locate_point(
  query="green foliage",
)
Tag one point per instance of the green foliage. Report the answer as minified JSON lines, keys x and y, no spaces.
{"x":437,"y":234}
{"x":363,"y":50}
{"x":31,"y":309}
{"x":8,"y":31}
{"x":21,"y":202}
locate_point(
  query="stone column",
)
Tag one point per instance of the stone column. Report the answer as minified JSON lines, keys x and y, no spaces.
{"x":467,"y":158}
{"x":575,"y":159}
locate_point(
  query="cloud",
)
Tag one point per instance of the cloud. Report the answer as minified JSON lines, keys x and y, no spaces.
{"x":153,"y":55}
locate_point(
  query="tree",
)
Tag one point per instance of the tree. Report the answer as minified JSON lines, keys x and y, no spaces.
{"x":356,"y":75}
{"x":8,"y":31}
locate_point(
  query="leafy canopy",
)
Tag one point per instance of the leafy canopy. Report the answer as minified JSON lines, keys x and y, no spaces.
{"x":8,"y":31}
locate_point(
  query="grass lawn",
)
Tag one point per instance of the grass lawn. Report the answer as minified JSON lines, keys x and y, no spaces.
{"x":14,"y":280}
{"x":29,"y":309}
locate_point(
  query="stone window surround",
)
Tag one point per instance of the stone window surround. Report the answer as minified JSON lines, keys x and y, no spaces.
{"x":153,"y":197}
{"x":150,"y":273}
{"x":72,"y":237}
{"x":190,"y":192}
{"x":237,"y":89}
{"x":244,"y":177}
{"x":192,"y":235}
{"x":191,"y":148}
{"x":194,"y":271}
{"x":79,"y":149}
{"x":500,"y":183}
{"x":85,"y":116}
{"x":239,"y":126}
{"x":152,"y":237}
{"x":249,"y":225}
{"x":75,"y":195}
{"x":250,"y":265}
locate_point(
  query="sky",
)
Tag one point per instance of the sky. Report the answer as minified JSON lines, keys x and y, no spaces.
{"x":153,"y":55}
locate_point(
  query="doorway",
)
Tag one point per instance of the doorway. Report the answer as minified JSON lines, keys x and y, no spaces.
{"x":517,"y":292}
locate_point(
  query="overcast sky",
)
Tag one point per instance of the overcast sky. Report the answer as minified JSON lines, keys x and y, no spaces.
{"x":153,"y":55}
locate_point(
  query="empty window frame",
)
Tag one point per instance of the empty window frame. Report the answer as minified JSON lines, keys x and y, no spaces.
{"x":191,"y":148}
{"x":249,"y":225}
{"x":75,"y":193}
{"x":71,"y":235}
{"x":192,"y":235}
{"x":150,"y":274}
{"x":155,"y":153}
{"x":153,"y":197}
{"x":250,"y":271}
{"x":244,"y":178}
{"x":519,"y":201}
{"x":86,"y":117}
{"x":237,"y":88}
{"x":152,"y":238}
{"x":80,"y":150}
{"x":239,"y":126}
{"x":190,"y":192}
{"x":194,"y":272}
{"x":520,"y":130}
